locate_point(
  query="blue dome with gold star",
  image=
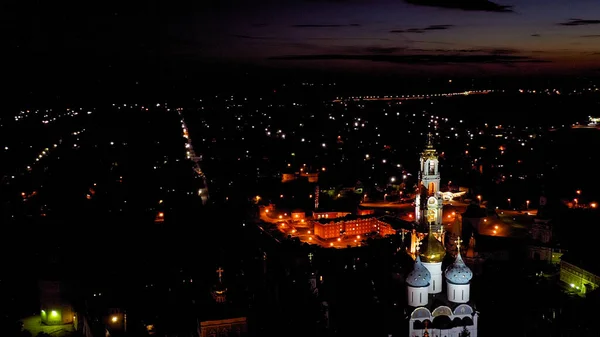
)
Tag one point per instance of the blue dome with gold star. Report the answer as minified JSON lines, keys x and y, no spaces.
{"x":458,"y":272}
{"x":419,"y":276}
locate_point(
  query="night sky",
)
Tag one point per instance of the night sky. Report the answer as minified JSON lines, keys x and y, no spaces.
{"x":447,"y":37}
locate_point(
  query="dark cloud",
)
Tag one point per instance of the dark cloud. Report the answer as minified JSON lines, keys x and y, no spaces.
{"x":326,"y":26}
{"x":591,"y":36}
{"x":492,"y":51}
{"x":410,"y":30}
{"x":535,"y":35}
{"x":383,"y":50}
{"x":433,"y":42}
{"x":418,"y":59}
{"x":579,"y":22}
{"x":503,"y":51}
{"x":422,"y":30}
{"x":438,"y":27}
{"x":347,"y":38}
{"x":250,"y":37}
{"x":465,"y":5}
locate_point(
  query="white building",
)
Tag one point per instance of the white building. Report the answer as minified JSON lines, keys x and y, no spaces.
{"x":449,"y":319}
{"x":428,"y":202}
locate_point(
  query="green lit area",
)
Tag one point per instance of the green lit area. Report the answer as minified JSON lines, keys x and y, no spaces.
{"x":51,"y":317}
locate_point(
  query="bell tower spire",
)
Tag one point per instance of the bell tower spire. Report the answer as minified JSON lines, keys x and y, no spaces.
{"x":428,"y":201}
{"x":429,"y":140}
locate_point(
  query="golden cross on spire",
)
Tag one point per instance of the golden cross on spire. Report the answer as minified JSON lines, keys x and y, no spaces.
{"x":418,"y":244}
{"x":220,"y":272}
{"x":310,"y":256}
{"x":458,"y":242}
{"x":429,"y":140}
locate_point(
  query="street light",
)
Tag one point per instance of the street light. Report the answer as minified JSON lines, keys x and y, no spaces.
{"x":479,"y":198}
{"x":527,"y":202}
{"x":384,"y":197}
{"x":509,"y":203}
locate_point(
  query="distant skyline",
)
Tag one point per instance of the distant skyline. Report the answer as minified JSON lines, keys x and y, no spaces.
{"x":412,"y":37}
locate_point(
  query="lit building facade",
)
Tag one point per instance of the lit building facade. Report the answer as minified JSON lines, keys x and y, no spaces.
{"x":359,"y":226}
{"x":55,"y":308}
{"x":298,"y":215}
{"x":428,"y":201}
{"x":577,"y":277}
{"x":329,"y":215}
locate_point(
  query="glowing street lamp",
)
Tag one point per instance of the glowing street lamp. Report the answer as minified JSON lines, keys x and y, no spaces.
{"x":114,"y":319}
{"x":479,"y":198}
{"x":578,"y":192}
{"x":527,"y":202}
{"x":509,"y":203}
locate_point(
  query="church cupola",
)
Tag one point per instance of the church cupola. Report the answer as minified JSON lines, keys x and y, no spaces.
{"x":458,"y":278}
{"x":417,"y":282}
{"x":219,"y":291}
{"x":432,"y":254}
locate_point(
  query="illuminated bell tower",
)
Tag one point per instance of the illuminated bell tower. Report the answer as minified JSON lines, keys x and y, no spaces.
{"x":428,"y":202}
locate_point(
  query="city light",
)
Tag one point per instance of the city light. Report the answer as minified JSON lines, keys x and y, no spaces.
{"x":114,"y":319}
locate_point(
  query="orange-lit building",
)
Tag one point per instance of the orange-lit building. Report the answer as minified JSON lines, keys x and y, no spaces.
{"x":362,"y":212}
{"x":298,"y":215}
{"x":313,"y":177}
{"x":352,"y":227}
{"x":329,"y":215}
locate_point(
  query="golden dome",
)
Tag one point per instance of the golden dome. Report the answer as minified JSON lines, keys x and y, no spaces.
{"x":432,"y":250}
